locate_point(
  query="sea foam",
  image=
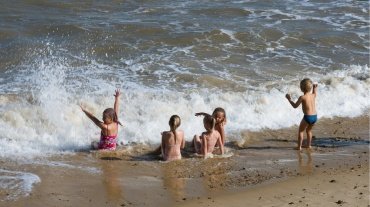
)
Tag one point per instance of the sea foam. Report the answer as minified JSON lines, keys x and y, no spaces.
{"x":17,"y":183}
{"x":49,"y":119}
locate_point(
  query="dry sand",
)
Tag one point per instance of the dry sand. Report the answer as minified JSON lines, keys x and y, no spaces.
{"x":263,"y":170}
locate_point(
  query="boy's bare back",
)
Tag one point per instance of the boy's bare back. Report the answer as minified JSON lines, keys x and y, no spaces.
{"x":308,"y":103}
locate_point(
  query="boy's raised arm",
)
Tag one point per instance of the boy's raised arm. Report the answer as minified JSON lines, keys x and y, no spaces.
{"x":315,"y":89}
{"x":296,"y":104}
{"x":116,"y":100}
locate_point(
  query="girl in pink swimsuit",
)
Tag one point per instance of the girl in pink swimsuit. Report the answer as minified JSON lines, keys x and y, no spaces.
{"x":109,"y":126}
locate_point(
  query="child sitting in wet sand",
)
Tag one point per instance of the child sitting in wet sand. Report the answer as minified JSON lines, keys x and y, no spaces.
{"x":109,"y":126}
{"x":309,"y":110}
{"x":219,"y":115}
{"x":172,"y":141}
{"x":205,"y":143}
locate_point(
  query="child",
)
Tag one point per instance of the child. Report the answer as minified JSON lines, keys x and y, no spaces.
{"x":109,"y":126}
{"x":206,"y":143}
{"x":172,"y":141}
{"x":220,"y":115}
{"x":309,"y":110}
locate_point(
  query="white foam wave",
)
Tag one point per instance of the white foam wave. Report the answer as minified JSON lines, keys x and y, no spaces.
{"x":17,"y":183}
{"x":91,"y":170}
{"x":50,"y":120}
{"x":39,"y":111}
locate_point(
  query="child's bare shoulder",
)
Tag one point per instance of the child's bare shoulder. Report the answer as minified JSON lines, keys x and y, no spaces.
{"x":166,"y":133}
{"x":217,"y":133}
{"x":304,"y":97}
{"x":180,"y":132}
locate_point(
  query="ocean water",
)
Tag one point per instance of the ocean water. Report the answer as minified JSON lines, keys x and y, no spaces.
{"x":173,"y":57}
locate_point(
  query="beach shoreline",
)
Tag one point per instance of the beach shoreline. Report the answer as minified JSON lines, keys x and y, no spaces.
{"x":264,"y":170}
{"x":182,"y":58}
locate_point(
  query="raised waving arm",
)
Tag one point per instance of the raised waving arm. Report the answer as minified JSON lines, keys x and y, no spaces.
{"x":315,"y":89}
{"x":92,"y":117}
{"x":116,"y":100}
{"x":202,"y":114}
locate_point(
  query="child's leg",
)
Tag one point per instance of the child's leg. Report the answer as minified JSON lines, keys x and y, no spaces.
{"x":302,"y":126}
{"x":197,"y":143}
{"x":309,"y":135}
{"x":157,"y":150}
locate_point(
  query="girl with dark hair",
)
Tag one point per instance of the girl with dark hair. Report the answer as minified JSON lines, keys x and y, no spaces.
{"x":109,"y":125}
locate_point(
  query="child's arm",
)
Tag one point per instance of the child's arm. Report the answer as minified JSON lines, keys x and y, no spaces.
{"x":314,"y":89}
{"x":182,"y":143}
{"x":116,"y":101}
{"x":93,"y":118}
{"x":296,"y":104}
{"x":222,"y":127}
{"x":162,"y":145}
{"x":204,"y":140}
{"x":202,"y":114}
{"x":219,"y":142}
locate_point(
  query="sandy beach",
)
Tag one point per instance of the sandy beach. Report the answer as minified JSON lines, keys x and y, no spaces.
{"x":337,"y":187}
{"x":264,"y":170}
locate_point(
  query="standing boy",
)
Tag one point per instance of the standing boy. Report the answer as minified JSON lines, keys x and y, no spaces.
{"x":308,"y":101}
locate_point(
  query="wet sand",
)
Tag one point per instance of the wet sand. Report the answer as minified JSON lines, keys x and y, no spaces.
{"x":264,"y":170}
{"x":337,"y":187}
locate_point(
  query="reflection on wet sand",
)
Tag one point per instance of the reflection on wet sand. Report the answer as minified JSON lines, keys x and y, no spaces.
{"x":205,"y":176}
{"x":215,"y":176}
{"x":305,"y":167}
{"x":174,"y":185}
{"x":111,"y":182}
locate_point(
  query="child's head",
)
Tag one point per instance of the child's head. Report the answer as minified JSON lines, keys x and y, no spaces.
{"x":109,"y":116}
{"x":306,"y":85}
{"x":174,"y":122}
{"x":209,"y":122}
{"x":219,"y":114}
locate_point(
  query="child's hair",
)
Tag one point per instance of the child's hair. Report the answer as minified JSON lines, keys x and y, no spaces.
{"x":209,"y":121}
{"x":219,"y":109}
{"x":109,"y":112}
{"x":306,"y":85}
{"x":174,"y":123}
